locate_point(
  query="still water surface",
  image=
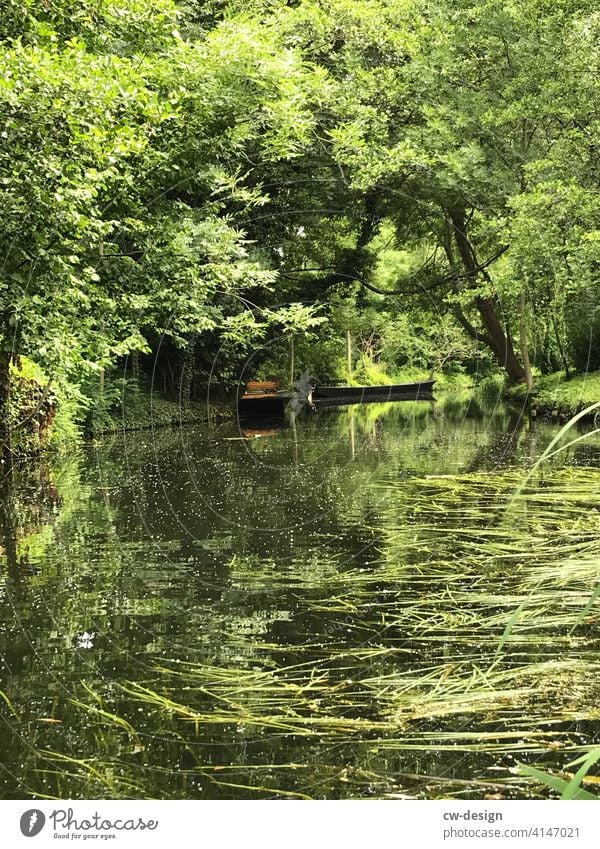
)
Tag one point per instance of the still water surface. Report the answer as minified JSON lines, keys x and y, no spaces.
{"x":374,"y":603}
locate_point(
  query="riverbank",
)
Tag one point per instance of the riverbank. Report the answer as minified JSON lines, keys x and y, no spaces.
{"x":556,"y":396}
{"x":376,"y":375}
{"x":43,"y":416}
{"x":142,"y":410}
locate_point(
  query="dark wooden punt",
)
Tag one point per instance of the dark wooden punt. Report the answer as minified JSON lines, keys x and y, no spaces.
{"x":263,"y":399}
{"x":365,"y":394}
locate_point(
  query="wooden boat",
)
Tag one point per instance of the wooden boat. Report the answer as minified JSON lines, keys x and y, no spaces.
{"x":263,"y":399}
{"x":364,"y":394}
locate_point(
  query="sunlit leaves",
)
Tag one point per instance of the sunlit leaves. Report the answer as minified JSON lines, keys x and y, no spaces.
{"x":126,"y":178}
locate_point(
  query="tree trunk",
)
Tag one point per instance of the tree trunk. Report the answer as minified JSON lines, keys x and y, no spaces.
{"x":523,"y":341}
{"x":561,"y":348}
{"x":135,"y":366}
{"x":496,"y":337}
{"x":498,"y":341}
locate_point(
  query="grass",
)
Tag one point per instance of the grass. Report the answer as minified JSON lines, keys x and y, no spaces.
{"x":370,"y":373}
{"x":567,"y":396}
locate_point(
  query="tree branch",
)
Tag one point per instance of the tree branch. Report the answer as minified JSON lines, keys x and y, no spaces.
{"x":417,"y":290}
{"x":444,"y":280}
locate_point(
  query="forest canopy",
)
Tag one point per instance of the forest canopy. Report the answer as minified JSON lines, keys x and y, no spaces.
{"x":206,"y":180}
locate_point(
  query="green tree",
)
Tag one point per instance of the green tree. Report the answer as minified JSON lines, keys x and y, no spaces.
{"x":441,"y":119}
{"x":123,"y":178}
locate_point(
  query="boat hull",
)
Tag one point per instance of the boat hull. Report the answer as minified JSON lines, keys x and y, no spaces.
{"x":364,"y":394}
{"x":270,"y":405}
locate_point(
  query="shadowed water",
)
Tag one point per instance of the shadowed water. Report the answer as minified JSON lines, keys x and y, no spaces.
{"x":372,"y":603}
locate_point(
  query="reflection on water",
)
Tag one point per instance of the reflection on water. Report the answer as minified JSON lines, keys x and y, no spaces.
{"x":313,"y":611}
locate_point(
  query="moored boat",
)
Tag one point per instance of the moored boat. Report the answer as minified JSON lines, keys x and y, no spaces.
{"x":263,"y":399}
{"x":358,"y":394}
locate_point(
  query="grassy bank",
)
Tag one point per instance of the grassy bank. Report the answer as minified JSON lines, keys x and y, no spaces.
{"x":374,"y":374}
{"x":556,"y":395}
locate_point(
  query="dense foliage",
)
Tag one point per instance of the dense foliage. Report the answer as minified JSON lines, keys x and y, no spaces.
{"x":205,"y":181}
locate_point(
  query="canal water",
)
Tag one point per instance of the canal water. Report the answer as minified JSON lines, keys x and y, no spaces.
{"x":382,"y":601}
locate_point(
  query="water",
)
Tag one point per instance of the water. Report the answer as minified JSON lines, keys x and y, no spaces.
{"x":309,"y":612}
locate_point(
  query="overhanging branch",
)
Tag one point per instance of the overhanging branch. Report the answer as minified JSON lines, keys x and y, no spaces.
{"x":422,"y":288}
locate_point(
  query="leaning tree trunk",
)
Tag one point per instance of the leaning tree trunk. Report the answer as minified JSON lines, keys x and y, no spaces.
{"x":495,"y":337}
{"x":498,"y":341}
